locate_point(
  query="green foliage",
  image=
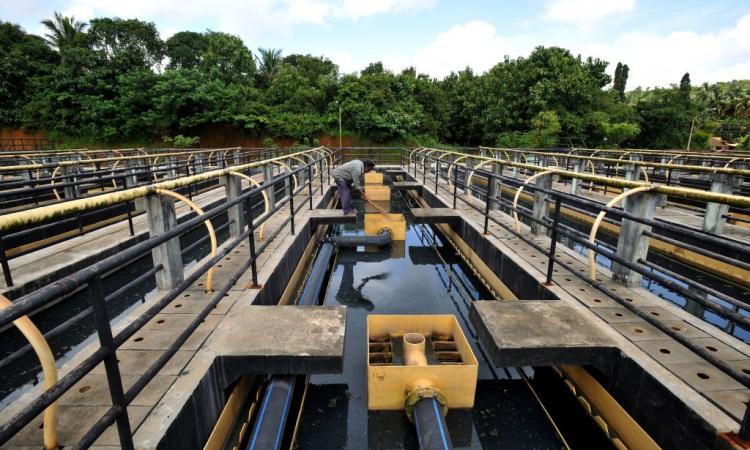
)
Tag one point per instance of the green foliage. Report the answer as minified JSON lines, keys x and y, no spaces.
{"x":269,"y":63}
{"x":123,"y":45}
{"x":700,"y":140}
{"x":104,"y":84}
{"x":25,"y":64}
{"x":62,"y":30}
{"x":617,"y":133}
{"x":181,"y":141}
{"x":621,"y":80}
{"x":664,"y":121}
{"x":185,"y":50}
{"x":269,"y":143}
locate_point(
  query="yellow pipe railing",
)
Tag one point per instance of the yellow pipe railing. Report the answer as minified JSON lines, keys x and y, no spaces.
{"x":49,"y":369}
{"x":40,"y":214}
{"x":20,"y":167}
{"x":691,"y":168}
{"x":677,"y":191}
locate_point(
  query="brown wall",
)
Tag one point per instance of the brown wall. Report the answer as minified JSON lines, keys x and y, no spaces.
{"x":8,"y":133}
{"x":218,"y":136}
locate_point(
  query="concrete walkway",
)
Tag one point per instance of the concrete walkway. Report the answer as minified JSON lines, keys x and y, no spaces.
{"x":87,"y":401}
{"x":718,"y":398}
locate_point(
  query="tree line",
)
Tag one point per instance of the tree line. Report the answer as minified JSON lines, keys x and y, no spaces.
{"x":114,"y":81}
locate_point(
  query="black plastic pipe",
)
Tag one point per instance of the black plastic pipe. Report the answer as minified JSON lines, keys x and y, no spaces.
{"x":383,"y":238}
{"x":313,"y":286}
{"x":431,"y":430}
{"x":272,"y":417}
{"x":268,"y":432}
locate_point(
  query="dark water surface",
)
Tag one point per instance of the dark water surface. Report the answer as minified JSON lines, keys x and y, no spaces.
{"x":414,"y":277}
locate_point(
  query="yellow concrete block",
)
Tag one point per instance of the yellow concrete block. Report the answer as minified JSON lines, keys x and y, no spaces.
{"x":395,"y":223}
{"x":388,"y":385}
{"x":378,"y":193}
{"x":373,"y":178}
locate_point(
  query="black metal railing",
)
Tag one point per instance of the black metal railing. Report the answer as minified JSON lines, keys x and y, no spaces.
{"x":434,"y":170}
{"x":91,"y":278}
{"x":33,"y":191}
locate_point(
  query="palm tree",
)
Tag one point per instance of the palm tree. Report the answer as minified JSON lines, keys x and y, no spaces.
{"x":62,"y":30}
{"x":269,"y":61}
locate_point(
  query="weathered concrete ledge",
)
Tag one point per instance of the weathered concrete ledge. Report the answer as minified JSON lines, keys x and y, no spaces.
{"x":330,"y":216}
{"x":436,"y":215}
{"x":540,"y":333}
{"x":251,"y":340}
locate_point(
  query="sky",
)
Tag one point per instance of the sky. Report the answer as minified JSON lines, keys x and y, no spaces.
{"x":660,"y":40}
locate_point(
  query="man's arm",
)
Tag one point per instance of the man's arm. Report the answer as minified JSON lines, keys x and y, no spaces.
{"x":356,"y":183}
{"x":355,"y":178}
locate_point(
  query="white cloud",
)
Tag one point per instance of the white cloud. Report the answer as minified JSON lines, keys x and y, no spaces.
{"x":249,"y":19}
{"x":659,"y":60}
{"x":356,"y":9}
{"x":654,"y":59}
{"x":585,"y":13}
{"x":343,"y":59}
{"x":475,"y":44}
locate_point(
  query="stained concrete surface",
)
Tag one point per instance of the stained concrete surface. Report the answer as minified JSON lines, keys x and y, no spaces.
{"x":538,"y":333}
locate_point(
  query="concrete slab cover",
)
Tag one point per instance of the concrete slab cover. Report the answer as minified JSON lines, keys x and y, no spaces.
{"x":536,"y":332}
{"x":330,"y":216}
{"x":407,"y":185}
{"x":282,"y":339}
{"x":435,"y":215}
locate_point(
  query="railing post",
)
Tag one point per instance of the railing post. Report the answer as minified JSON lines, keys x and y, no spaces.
{"x":251,"y":241}
{"x":493,"y":182}
{"x":112,"y":369}
{"x":172,"y":167}
{"x":198,"y":166}
{"x":632,"y":244}
{"x":455,"y":184}
{"x":575,"y":183}
{"x":320,"y":169}
{"x":541,"y":209}
{"x":71,"y":190}
{"x":467,"y":171}
{"x":269,"y":181}
{"x":715,"y":218}
{"x":487,"y":207}
{"x":437,"y":175}
{"x":745,"y":426}
{"x":309,"y":185}
{"x":291,"y":212}
{"x":161,"y":215}
{"x":5,"y":265}
{"x":516,"y":159}
{"x":553,"y":242}
{"x":233,"y":189}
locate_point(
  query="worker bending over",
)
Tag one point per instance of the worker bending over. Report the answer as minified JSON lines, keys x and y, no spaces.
{"x":347,"y":175}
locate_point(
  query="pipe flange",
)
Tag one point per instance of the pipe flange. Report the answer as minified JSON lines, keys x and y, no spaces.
{"x":420,"y":393}
{"x":385,"y":230}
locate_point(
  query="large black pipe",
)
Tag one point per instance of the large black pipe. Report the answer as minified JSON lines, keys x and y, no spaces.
{"x":268,"y":432}
{"x":383,"y":238}
{"x":430,"y":423}
{"x":314,"y":284}
{"x":269,"y":427}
